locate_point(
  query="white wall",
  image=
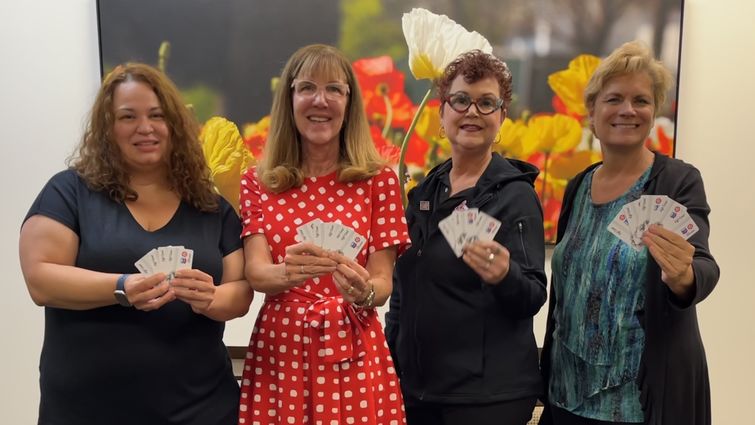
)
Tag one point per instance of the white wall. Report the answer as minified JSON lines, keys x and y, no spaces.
{"x":48,"y":78}
{"x":50,"y":74}
{"x":715,"y":133}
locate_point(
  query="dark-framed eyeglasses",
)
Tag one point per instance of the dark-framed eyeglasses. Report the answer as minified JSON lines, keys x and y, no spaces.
{"x":486,"y":105}
{"x":332,"y":91}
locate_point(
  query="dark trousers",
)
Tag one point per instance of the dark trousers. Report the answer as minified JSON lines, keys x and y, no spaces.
{"x":515,"y":412}
{"x":565,"y":417}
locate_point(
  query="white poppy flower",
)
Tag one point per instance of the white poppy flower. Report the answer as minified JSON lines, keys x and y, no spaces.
{"x":436,"y":40}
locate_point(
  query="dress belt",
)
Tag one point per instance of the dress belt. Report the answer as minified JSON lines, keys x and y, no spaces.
{"x":333,"y":327}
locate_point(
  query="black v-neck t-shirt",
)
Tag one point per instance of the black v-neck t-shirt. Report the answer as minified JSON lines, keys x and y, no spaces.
{"x":118,"y":365}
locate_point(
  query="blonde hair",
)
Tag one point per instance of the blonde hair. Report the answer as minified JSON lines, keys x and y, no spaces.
{"x":630,"y":58}
{"x":99,"y":161}
{"x":280,"y":167}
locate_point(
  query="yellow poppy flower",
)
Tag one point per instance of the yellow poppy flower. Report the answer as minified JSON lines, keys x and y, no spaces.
{"x":226,"y":155}
{"x":512,"y":142}
{"x":553,"y":133}
{"x":569,"y":84}
{"x":568,"y":164}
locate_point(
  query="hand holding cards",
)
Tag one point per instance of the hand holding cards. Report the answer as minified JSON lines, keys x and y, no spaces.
{"x":466,"y":226}
{"x":635,"y":217}
{"x":332,"y":237}
{"x":165,"y":259}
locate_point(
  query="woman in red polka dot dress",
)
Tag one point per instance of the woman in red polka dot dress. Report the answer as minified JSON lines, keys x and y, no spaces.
{"x":318,"y":353}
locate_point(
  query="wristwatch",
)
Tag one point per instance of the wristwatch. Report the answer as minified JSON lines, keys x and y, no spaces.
{"x":120,"y":291}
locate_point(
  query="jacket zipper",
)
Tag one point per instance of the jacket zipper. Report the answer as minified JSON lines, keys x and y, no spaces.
{"x":520,"y":226}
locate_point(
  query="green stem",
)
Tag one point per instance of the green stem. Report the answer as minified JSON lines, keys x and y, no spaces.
{"x":405,"y":144}
{"x":545,"y":177}
{"x":388,"y":115}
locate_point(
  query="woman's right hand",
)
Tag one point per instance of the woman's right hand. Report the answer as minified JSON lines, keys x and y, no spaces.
{"x":148,"y":292}
{"x":305,"y":260}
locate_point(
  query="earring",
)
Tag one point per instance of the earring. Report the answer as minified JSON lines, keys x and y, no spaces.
{"x":442,"y":132}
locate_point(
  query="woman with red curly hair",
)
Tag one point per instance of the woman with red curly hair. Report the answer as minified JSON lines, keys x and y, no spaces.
{"x":460,"y":323}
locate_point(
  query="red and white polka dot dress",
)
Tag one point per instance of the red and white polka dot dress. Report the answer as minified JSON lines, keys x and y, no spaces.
{"x":312,"y":358}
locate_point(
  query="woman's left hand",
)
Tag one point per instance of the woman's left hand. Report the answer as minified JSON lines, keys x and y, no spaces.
{"x":674,"y":256}
{"x":489,"y":259}
{"x":352,"y":280}
{"x":194,"y":287}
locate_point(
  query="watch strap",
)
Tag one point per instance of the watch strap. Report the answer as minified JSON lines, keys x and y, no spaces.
{"x":120,"y":290}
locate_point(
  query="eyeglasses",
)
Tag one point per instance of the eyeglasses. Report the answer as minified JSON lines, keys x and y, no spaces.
{"x":332,"y":91}
{"x":486,"y":105}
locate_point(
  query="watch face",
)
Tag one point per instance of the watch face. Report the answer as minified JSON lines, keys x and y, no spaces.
{"x":121,"y":297}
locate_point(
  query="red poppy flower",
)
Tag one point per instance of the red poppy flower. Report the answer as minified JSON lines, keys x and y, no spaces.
{"x":383,"y":92}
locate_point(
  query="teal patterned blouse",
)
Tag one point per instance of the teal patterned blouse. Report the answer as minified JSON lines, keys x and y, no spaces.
{"x":598,"y":287}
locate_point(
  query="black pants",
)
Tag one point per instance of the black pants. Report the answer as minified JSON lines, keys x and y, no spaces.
{"x":565,"y":417}
{"x":515,"y":412}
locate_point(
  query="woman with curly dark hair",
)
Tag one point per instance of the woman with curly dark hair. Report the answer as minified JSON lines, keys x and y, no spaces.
{"x":123,"y":347}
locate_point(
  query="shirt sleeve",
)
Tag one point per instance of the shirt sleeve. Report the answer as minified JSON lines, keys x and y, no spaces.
{"x":252,"y":217}
{"x":388,"y":226}
{"x":58,"y":200}
{"x":231,"y":228}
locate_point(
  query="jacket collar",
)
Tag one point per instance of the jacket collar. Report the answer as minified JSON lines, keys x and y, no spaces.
{"x":499,"y":171}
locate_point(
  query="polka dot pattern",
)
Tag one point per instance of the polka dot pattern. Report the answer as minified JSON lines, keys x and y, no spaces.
{"x":312,"y":358}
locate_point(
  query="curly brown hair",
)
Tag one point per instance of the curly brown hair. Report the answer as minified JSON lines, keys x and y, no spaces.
{"x":99,"y":161}
{"x":476,"y":65}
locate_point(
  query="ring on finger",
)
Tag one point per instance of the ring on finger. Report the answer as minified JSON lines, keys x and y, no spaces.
{"x":491,"y":257}
{"x":350,"y":290}
{"x":301,"y":267}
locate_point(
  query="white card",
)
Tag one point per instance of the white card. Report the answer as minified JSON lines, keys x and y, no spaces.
{"x":147,"y":264}
{"x":166,"y":263}
{"x":316,"y":232}
{"x":657,"y":205}
{"x":446,"y":227}
{"x":673,"y":215}
{"x":470,"y":224}
{"x":487,"y":227}
{"x":687,"y":227}
{"x":336,"y":236}
{"x":460,"y":218}
{"x":353,"y":245}
{"x":621,"y":232}
{"x":302,"y":233}
{"x":166,"y":259}
{"x":634,"y":219}
{"x":184,"y":258}
{"x":640,"y":219}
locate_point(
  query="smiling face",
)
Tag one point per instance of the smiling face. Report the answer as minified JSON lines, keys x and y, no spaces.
{"x":140,"y":129}
{"x":470,"y":130}
{"x":319,"y":106}
{"x":624,"y":111}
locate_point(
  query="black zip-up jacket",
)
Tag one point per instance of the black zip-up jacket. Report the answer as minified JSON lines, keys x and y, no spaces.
{"x":673,"y":375}
{"x":454,"y":338}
